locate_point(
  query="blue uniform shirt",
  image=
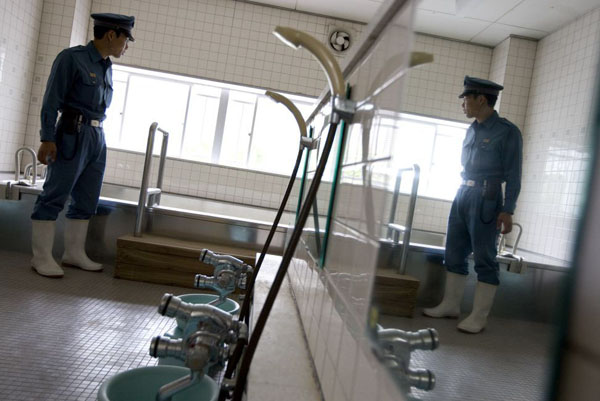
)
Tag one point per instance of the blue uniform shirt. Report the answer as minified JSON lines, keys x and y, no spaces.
{"x":80,"y":79}
{"x":494,"y":149}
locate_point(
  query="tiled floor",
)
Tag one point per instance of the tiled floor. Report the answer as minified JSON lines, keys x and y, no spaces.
{"x":510,"y":360}
{"x":61,"y":338}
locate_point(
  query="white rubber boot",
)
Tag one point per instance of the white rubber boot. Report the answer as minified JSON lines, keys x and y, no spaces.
{"x":42,"y":240}
{"x":75,"y":256}
{"x":484,"y":298}
{"x":453,"y":293}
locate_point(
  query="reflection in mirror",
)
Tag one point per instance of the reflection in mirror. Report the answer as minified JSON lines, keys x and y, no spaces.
{"x":534,"y":260}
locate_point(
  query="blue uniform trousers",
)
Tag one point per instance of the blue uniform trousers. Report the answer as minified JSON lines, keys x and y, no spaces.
{"x":472,"y":228}
{"x":77,"y":171}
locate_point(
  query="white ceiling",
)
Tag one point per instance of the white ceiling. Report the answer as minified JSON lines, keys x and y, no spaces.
{"x":486,"y":22}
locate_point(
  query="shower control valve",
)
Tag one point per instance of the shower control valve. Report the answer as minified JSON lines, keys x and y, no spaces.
{"x":229,"y":272}
{"x":395,"y":348}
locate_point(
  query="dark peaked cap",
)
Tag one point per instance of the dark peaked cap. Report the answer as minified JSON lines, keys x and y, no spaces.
{"x":480,"y":86}
{"x":116,"y":22}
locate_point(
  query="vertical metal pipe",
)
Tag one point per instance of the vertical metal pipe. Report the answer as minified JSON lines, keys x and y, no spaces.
{"x":409,"y":218}
{"x":163,"y":157}
{"x":18,"y":164}
{"x":139,"y":216}
{"x":395,"y":201}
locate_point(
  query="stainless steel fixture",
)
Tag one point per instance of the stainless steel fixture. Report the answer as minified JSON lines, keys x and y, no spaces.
{"x":394,"y":230}
{"x":150,"y":197}
{"x":204,"y":345}
{"x":18,"y":156}
{"x":230,"y":273}
{"x":513,"y":262}
{"x":395,"y":351}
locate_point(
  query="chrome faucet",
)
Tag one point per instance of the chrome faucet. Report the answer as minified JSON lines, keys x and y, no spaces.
{"x":199,"y":351}
{"x":395,"y":351}
{"x":230,"y":272}
{"x":194,"y":314}
{"x":18,"y":164}
{"x":205,"y":342}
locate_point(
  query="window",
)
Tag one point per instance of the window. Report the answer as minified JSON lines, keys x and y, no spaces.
{"x":207,"y":121}
{"x":434,"y":144}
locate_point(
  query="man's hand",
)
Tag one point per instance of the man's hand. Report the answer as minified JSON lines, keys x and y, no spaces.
{"x":504,"y":222}
{"x":47,"y":153}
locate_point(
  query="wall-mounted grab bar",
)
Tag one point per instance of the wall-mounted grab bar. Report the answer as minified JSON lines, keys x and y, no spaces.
{"x":150,"y":193}
{"x":502,"y":241}
{"x":394,"y":229}
{"x":18,"y":163}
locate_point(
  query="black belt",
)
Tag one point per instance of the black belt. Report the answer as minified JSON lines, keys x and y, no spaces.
{"x":473,"y":183}
{"x":482,"y":183}
{"x":75,"y":118}
{"x":92,"y":123}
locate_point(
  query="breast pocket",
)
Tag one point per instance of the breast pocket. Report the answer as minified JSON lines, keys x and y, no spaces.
{"x":91,"y":90}
{"x":489,"y":154}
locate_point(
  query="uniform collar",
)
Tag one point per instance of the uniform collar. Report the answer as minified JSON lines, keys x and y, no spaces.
{"x":489,"y":122}
{"x":95,"y":55}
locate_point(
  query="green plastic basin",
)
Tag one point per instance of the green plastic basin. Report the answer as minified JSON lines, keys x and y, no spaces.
{"x":142,"y":384}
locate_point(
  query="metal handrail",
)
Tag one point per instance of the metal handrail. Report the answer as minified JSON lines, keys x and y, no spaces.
{"x":18,"y":164}
{"x":502,"y":242}
{"x":144,"y":190}
{"x":407,"y":228}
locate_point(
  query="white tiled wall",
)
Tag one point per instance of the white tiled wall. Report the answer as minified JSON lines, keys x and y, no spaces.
{"x":556,"y":136}
{"x":81,"y":22}
{"x":56,"y":29}
{"x":224,"y":40}
{"x":19,"y":31}
{"x":515,"y":75}
{"x":433,"y":89}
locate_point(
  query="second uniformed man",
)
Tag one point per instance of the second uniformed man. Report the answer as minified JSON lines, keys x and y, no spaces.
{"x":492,"y":154}
{"x":73,"y":147}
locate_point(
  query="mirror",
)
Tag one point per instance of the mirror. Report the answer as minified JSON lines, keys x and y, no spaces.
{"x":526,"y":313}
{"x":513,"y":357}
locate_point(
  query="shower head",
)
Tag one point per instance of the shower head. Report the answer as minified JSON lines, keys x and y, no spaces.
{"x":296,"y":39}
{"x":418,"y":58}
{"x":291,"y":107}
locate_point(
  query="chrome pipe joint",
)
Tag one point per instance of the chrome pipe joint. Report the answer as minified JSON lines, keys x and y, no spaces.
{"x":214,"y":259}
{"x":342,"y":109}
{"x":204,"y":317}
{"x":407,"y":377}
{"x":230,"y":273}
{"x":199,"y":351}
{"x":425,"y":339}
{"x":395,"y":348}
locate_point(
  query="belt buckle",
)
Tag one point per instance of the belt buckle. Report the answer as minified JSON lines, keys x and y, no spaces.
{"x":470,"y":183}
{"x":95,"y":123}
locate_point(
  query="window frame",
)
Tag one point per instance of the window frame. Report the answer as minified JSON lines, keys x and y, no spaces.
{"x":221,"y":119}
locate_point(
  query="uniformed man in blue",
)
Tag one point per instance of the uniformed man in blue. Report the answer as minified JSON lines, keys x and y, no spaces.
{"x":491,"y":155}
{"x":78,"y":92}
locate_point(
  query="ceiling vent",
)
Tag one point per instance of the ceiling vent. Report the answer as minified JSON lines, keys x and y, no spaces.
{"x":339,"y":41}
